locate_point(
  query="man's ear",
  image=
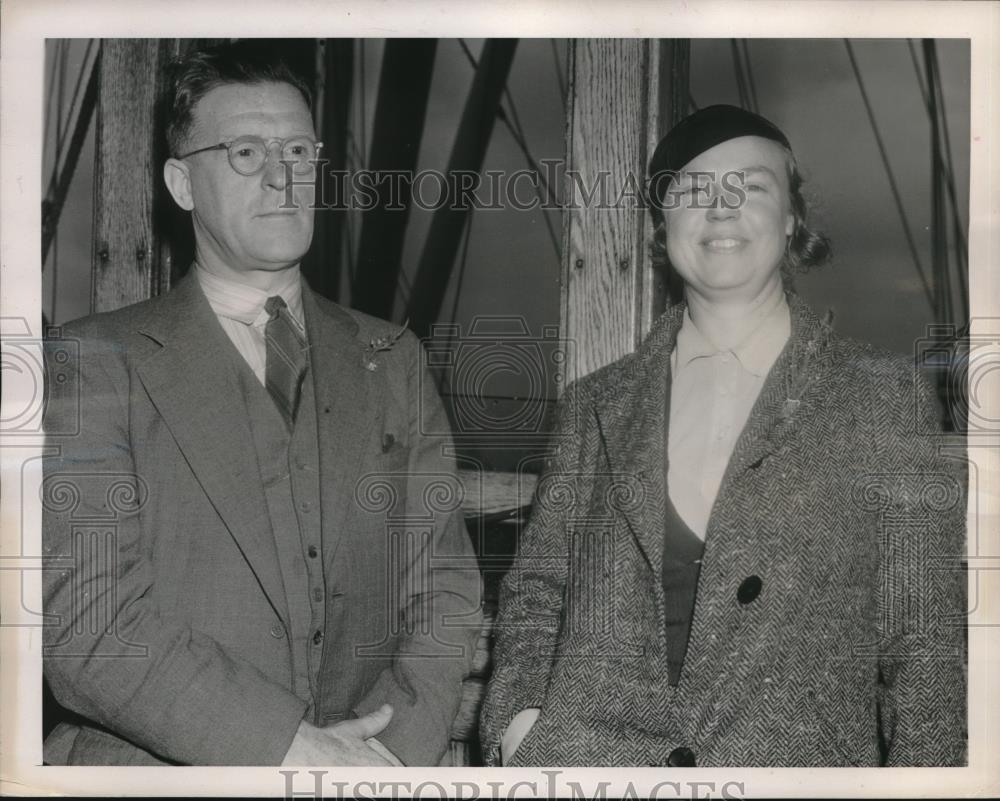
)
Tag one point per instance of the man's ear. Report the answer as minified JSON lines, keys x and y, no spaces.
{"x":178,"y":181}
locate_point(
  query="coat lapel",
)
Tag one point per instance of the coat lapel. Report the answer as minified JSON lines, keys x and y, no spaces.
{"x":344,"y":409}
{"x":789,"y":391}
{"x":633,"y":423}
{"x":793,"y":389}
{"x":192,"y":383}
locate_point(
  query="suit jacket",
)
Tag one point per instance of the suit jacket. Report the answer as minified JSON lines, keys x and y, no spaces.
{"x":163,"y":587}
{"x":829,"y":616}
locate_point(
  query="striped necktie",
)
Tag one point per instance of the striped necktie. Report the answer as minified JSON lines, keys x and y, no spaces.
{"x":286,"y":358}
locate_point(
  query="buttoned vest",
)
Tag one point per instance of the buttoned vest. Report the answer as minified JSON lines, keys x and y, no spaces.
{"x":289,"y":470}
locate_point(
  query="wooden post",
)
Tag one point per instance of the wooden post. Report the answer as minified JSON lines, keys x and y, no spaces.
{"x":127,"y":256}
{"x":624,"y":94}
{"x":604,"y":265}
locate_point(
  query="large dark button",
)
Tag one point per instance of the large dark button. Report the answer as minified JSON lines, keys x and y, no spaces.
{"x":681,"y":757}
{"x":749,"y":589}
{"x":313,"y":553}
{"x":317,"y":638}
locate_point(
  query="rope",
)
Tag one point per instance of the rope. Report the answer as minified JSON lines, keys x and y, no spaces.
{"x":445,"y":374}
{"x":961,"y":244}
{"x":362,"y":101}
{"x":892,"y":179}
{"x":947,"y":165}
{"x":78,"y":89}
{"x":559,"y":74}
{"x":961,"y":248}
{"x":749,"y":76}
{"x":741,"y":88}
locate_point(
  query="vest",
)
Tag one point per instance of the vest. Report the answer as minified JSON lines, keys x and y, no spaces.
{"x":289,"y":470}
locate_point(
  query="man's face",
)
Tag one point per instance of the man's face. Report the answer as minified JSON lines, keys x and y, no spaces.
{"x":239,"y":220}
{"x":725,"y":253}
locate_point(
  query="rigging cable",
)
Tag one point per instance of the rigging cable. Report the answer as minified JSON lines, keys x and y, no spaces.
{"x":949,"y":171}
{"x":961,"y":250}
{"x":947,"y":166}
{"x":892,"y":179}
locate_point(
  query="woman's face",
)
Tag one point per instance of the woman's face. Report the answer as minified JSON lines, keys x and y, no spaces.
{"x":728,"y":218}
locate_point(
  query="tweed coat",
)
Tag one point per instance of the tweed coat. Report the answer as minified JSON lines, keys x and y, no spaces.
{"x":847,"y":647}
{"x":167,"y":607}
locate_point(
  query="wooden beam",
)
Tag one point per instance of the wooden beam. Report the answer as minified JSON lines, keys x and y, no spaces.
{"x":127,"y":257}
{"x":404,"y":87}
{"x":624,"y":94}
{"x":605,"y":263}
{"x":474,"y":131}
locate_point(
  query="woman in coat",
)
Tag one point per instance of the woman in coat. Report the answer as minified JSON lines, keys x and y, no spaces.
{"x":746,"y":549}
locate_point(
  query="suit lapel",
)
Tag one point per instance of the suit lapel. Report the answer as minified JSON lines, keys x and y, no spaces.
{"x":633,"y":424}
{"x":192,"y":383}
{"x":344,"y":409}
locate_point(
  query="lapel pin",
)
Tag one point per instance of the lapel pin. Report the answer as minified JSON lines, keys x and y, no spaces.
{"x":380,"y":345}
{"x":790,"y":407}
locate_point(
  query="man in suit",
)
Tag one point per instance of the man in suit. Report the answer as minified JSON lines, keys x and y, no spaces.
{"x":747,"y":547}
{"x":256,"y":557}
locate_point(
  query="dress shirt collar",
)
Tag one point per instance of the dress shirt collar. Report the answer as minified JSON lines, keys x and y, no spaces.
{"x":244,"y":303}
{"x":756,"y":353}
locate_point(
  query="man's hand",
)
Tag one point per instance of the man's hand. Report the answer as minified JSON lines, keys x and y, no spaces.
{"x":342,"y":744}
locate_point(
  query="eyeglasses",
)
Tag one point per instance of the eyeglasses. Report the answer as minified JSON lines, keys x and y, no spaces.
{"x":248,"y":154}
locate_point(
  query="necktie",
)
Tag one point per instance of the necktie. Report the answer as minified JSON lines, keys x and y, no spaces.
{"x":286,"y":358}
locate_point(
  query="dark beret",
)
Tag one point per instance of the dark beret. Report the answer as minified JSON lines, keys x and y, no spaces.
{"x":701,"y":131}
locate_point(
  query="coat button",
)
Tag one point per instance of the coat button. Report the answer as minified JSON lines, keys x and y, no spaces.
{"x":277,"y":631}
{"x":317,"y":638}
{"x":749,"y":590}
{"x":313,"y":552}
{"x":681,"y":757}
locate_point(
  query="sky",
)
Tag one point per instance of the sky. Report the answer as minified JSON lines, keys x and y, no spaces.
{"x":806,"y":87}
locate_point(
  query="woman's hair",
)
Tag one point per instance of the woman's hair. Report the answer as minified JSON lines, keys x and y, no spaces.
{"x":246,"y":61}
{"x":804,"y":249}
